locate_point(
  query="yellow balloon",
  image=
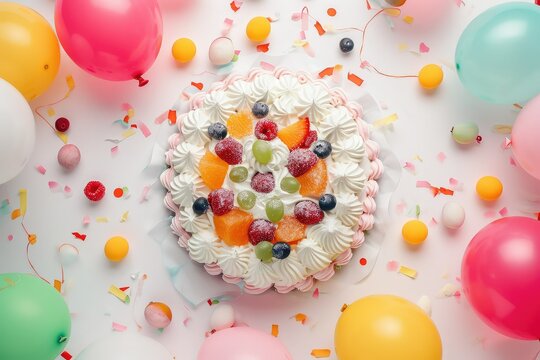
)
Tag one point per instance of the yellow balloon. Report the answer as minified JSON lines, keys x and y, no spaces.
{"x":386,"y":327}
{"x":30,"y":53}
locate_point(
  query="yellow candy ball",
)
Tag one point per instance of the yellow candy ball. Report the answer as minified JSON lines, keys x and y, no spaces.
{"x":258,"y":29}
{"x":116,"y":248}
{"x":430,"y":76}
{"x":414,"y":232}
{"x":489,"y":188}
{"x":184,"y":50}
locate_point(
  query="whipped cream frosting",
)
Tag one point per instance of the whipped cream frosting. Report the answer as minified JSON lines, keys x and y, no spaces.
{"x":290,"y":97}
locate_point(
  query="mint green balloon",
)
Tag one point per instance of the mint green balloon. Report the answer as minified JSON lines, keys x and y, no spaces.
{"x":34,"y":319}
{"x":498,"y":54}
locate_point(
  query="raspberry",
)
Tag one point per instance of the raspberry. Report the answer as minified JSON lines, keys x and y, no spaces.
{"x":221,"y":201}
{"x":261,"y":230}
{"x":266,"y":130}
{"x":230,"y":151}
{"x":94,"y":191}
{"x":310,"y":139}
{"x":263,"y":183}
{"x":300,"y":161}
{"x":308,"y":213}
{"x":62,"y":124}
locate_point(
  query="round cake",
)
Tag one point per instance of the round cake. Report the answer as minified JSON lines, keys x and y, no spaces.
{"x":272,"y":179}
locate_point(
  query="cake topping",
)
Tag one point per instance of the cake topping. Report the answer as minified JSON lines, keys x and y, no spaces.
{"x":186,"y":157}
{"x":275,"y":210}
{"x":230,"y":151}
{"x":260,"y":110}
{"x":327,"y":202}
{"x":263,"y":182}
{"x":338,"y":125}
{"x":246,"y":199}
{"x":263,"y":251}
{"x":240,"y":125}
{"x":213,"y":170}
{"x":310,"y":139}
{"x":266,"y":130}
{"x":307,"y":212}
{"x":200,"y":206}
{"x":289,"y":184}
{"x":349,"y":150}
{"x":322,"y":149}
{"x":261,"y":230}
{"x":238,"y":174}
{"x":294,"y":135}
{"x":300,"y":161}
{"x":186,"y":187}
{"x":347,"y":177}
{"x":217,"y":131}
{"x":313,"y":183}
{"x":94,"y":190}
{"x":314,"y":102}
{"x":290,"y":230}
{"x":195,"y":127}
{"x":233,"y":227}
{"x":262,"y":151}
{"x":281,"y":250}
{"x":221,"y":201}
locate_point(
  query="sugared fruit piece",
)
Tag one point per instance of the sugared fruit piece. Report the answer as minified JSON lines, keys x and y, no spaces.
{"x":263,"y":251}
{"x":260,"y":110}
{"x":300,"y":161}
{"x":94,"y":190}
{"x":290,"y":230}
{"x":230,"y":151}
{"x":217,"y":131}
{"x":232,"y":228}
{"x":200,"y":206}
{"x":263,"y":182}
{"x":289,"y":184}
{"x":213,"y":170}
{"x":221,"y":201}
{"x":327,"y":202}
{"x":414,"y":232}
{"x":310,"y":139}
{"x":266,"y":130}
{"x":307,"y":212}
{"x":262,"y":150}
{"x":240,"y":125}
{"x":322,"y":149}
{"x":313,"y":183}
{"x":246,"y":199}
{"x":281,"y":250}
{"x":261,"y":230}
{"x":294,"y":135}
{"x":238,"y":174}
{"x":274,"y":210}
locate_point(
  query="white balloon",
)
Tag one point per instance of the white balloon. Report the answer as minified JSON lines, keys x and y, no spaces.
{"x":17,"y":132}
{"x":125,"y":346}
{"x":453,"y":215}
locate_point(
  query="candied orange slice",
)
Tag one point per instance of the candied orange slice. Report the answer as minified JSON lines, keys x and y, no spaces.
{"x":240,"y":125}
{"x":232,"y":228}
{"x":313,"y":183}
{"x":213,"y":170}
{"x":294,"y":135}
{"x":290,"y":230}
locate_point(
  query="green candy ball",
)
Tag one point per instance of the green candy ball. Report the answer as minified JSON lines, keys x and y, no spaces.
{"x":34,"y":319}
{"x":465,"y":133}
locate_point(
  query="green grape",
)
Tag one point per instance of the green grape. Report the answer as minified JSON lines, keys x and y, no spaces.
{"x":263,"y":251}
{"x":238,"y":174}
{"x":262,"y":150}
{"x":246,"y":199}
{"x":290,"y":184}
{"x":274,"y":210}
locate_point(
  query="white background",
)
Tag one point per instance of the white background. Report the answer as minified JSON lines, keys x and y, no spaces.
{"x":422,"y":129}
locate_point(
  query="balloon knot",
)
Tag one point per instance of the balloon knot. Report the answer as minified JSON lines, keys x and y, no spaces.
{"x":142,"y":81}
{"x":62,"y":339}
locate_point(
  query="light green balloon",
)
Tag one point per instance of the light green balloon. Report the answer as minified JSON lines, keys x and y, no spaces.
{"x":34,"y":319}
{"x":498,"y":54}
{"x":465,"y":133}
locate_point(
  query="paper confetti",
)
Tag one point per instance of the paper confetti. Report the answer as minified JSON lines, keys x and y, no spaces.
{"x":79,"y":235}
{"x":197,"y":85}
{"x":423,"y":48}
{"x":355,"y":79}
{"x":326,"y":72}
{"x":275,"y":330}
{"x":392,"y":265}
{"x":58,"y":285}
{"x":66,"y":355}
{"x":102,"y":219}
{"x":407,"y":271}
{"x":227,"y":26}
{"x":118,"y":327}
{"x":236,"y":5}
{"x":321,"y":353}
{"x":263,"y":47}
{"x":441,"y":156}
{"x":385,"y":121}
{"x":41,"y":169}
{"x":408,"y":19}
{"x":171,"y":116}
{"x":449,"y":290}
{"x":144,"y":129}
{"x":319,"y":28}
{"x":23,"y":196}
{"x":267,"y":66}
{"x":316,"y":292}
{"x":124,"y":217}
{"x":122,"y":296}
{"x":301,"y":318}
{"x":435,"y":190}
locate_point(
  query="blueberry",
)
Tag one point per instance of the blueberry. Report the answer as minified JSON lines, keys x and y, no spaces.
{"x":260,"y":110}
{"x":327,"y":202}
{"x":217,"y":131}
{"x":281,"y":250}
{"x":200,"y":206}
{"x":346,"y":45}
{"x":322,"y":148}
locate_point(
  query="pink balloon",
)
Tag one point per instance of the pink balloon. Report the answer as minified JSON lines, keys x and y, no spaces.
{"x":111,"y":39}
{"x":501,"y":276}
{"x":525,"y":144}
{"x":242,"y":343}
{"x":425,"y":13}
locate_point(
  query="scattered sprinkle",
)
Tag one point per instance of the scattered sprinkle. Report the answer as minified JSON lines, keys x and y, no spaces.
{"x":58,"y":285}
{"x":408,"y":19}
{"x":118,"y":193}
{"x":321,"y":353}
{"x":316,"y":291}
{"x":10,"y":237}
{"x":41,"y":169}
{"x":343,"y":307}
{"x":235,"y":5}
{"x":227,"y":26}
{"x":275,"y":330}
{"x":331,"y":12}
{"x":385,"y":121}
{"x":161,"y":118}
{"x":267,"y":66}
{"x":423,"y":48}
{"x":118,"y":327}
{"x":502,"y":129}
{"x":86,"y":220}
{"x":319,"y":28}
{"x":407,"y":271}
{"x":144,"y":129}
{"x":263,"y":47}
{"x":79,"y":235}
{"x":355,"y":79}
{"x":503,"y":212}
{"x":102,"y":219}
{"x":363,"y":261}
{"x":119,"y":294}
{"x":66,"y":355}
{"x":409,"y":166}
{"x":326,"y":72}
{"x":171,"y":116}
{"x":197,"y":85}
{"x":392,"y":265}
{"x":441,"y":156}
{"x":124,"y":217}
{"x":435,"y":190}
{"x":301,"y":318}
{"x":449,"y":290}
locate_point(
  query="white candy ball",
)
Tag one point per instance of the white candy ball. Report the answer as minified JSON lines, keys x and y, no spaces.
{"x":68,"y":254}
{"x":222,"y":317}
{"x":453,"y":215}
{"x":221,"y":51}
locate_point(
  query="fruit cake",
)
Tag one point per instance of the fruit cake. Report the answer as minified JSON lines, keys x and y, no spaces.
{"x":272,"y":179}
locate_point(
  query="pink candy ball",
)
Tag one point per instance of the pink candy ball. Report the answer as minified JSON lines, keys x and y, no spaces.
{"x":69,"y":156}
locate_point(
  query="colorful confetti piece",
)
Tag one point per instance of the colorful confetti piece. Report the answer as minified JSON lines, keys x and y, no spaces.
{"x":385,"y":121}
{"x":407,"y":271}
{"x":119,"y":294}
{"x":118,"y":327}
{"x":41,"y":169}
{"x":275,"y":330}
{"x":263,"y":47}
{"x":321,"y":353}
{"x":79,"y":235}
{"x":301,"y":318}
{"x":355,"y":79}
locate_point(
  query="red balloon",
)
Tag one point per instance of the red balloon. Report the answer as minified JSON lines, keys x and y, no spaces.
{"x":501,"y":276}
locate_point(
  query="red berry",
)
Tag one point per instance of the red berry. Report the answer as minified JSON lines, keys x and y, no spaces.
{"x":62,"y":124}
{"x":261,"y":230}
{"x":310,"y":139}
{"x":266,"y":130}
{"x":300,"y":161}
{"x":263,"y":183}
{"x":308,"y":213}
{"x":230,"y":151}
{"x":94,"y":191}
{"x":221,"y":201}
